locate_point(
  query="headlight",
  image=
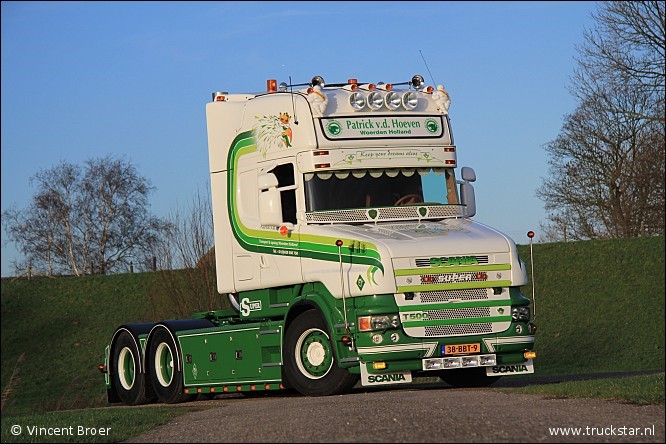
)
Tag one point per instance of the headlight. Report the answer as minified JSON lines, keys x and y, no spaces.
{"x":357,"y":101}
{"x":378,"y":322}
{"x":375,"y":100}
{"x":393,"y":100}
{"x":520,"y":313}
{"x":409,"y":100}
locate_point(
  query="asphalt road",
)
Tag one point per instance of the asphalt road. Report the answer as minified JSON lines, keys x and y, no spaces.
{"x":430,"y":412}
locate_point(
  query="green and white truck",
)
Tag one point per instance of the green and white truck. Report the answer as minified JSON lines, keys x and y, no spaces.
{"x":347,"y":247}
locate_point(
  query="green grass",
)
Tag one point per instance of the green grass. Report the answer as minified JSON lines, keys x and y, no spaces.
{"x":645,"y":389}
{"x":62,"y":326}
{"x":97,"y":425}
{"x":600,"y":305}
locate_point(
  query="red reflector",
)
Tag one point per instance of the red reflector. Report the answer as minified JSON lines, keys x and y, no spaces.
{"x":450,"y":162}
{"x":320,"y":153}
{"x":323,"y":165}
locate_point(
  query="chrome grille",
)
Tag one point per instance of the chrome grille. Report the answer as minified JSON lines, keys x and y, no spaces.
{"x":471,"y":294}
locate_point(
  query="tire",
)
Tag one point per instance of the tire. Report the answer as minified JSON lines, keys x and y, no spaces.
{"x":469,"y":377}
{"x":167,"y":380}
{"x":310,"y":364}
{"x":127,"y":378}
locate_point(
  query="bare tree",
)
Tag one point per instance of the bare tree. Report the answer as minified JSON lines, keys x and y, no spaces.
{"x":186,"y":260}
{"x":607,"y":165}
{"x":83,"y":216}
{"x":625,"y":50}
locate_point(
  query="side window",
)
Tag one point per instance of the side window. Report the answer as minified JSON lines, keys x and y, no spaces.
{"x":287,"y":188}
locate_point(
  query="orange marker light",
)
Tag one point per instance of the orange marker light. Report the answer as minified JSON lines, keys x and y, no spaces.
{"x":271,"y":85}
{"x":284,"y":230}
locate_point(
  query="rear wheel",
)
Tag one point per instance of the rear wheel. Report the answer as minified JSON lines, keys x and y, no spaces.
{"x":310,"y":364}
{"x":468,"y":377}
{"x":167,"y":379}
{"x":128,"y":380}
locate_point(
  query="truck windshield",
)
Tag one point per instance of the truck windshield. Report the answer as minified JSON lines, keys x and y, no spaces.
{"x":379,"y":187}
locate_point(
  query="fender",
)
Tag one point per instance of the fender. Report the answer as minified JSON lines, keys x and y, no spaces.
{"x":135,"y":330}
{"x":173,"y":327}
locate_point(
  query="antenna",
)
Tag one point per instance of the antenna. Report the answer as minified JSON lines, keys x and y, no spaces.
{"x":293,"y":106}
{"x":424,"y":61}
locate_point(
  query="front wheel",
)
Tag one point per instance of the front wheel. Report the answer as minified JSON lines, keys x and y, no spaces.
{"x":167,"y":379}
{"x":128,"y":380}
{"x":310,"y":364}
{"x":468,"y":377}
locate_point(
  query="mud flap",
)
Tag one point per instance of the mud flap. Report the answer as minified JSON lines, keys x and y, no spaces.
{"x":511,"y":369}
{"x":368,"y":379}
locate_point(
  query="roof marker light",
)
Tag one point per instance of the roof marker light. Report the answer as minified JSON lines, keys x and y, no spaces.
{"x":271,"y":85}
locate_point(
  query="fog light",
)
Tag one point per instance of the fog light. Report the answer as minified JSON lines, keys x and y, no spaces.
{"x":452,"y":362}
{"x":432,"y":364}
{"x":470,"y":361}
{"x":487,"y":360}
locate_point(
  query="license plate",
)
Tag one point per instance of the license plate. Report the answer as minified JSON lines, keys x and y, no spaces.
{"x":461,"y":349}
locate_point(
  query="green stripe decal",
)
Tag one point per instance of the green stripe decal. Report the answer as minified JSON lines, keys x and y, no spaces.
{"x":453,"y":269}
{"x":262,"y":241}
{"x":452,"y":286}
{"x":437,"y":322}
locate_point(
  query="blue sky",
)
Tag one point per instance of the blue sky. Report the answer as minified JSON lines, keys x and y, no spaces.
{"x":86,"y":79}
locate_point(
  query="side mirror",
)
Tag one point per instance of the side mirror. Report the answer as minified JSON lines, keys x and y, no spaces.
{"x":270,"y":203}
{"x":467,"y":196}
{"x":468,"y":174}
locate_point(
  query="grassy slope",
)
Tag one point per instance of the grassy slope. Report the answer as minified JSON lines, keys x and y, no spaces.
{"x":600,"y":305}
{"x":600,"y":308}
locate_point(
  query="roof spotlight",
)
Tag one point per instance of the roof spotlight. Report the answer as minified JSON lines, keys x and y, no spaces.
{"x":393,"y":100}
{"x":375,"y":100}
{"x":417,"y":82}
{"x":317,"y":80}
{"x":409,"y":100}
{"x":357,"y":101}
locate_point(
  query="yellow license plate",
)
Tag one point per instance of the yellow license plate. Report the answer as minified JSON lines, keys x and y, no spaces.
{"x":461,"y":349}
